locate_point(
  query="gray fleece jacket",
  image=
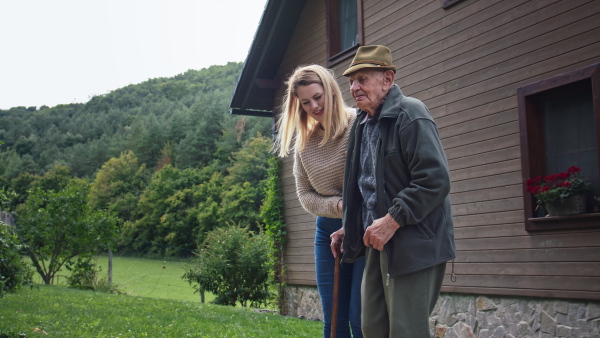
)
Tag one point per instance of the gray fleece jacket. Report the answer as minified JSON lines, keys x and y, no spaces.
{"x":413,"y":183}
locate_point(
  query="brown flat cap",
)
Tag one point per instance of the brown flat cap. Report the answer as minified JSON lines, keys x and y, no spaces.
{"x":371,"y":57}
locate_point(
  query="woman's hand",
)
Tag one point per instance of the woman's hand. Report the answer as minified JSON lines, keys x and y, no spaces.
{"x":336,"y":242}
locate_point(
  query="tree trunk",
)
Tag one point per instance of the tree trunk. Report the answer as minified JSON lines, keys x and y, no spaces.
{"x":110,"y":266}
{"x":45,"y":277}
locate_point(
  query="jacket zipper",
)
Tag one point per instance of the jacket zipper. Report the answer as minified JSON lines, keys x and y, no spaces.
{"x":378,"y":153}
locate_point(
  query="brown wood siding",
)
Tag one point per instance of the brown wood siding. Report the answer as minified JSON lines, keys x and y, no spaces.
{"x":466,"y":64}
{"x":307,"y":45}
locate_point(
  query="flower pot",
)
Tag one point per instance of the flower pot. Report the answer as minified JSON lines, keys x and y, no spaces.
{"x":573,"y":205}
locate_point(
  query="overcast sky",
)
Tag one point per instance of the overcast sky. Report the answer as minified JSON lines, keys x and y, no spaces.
{"x":66,"y":51}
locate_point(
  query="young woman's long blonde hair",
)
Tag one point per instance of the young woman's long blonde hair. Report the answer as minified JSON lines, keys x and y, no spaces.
{"x":295,"y":125}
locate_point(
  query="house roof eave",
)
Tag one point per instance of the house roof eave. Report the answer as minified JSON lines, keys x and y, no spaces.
{"x":254,"y":93}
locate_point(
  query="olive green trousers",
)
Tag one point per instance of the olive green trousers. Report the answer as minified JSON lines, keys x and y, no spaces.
{"x":398,"y":307}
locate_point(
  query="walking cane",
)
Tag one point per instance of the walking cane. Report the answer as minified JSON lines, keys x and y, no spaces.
{"x":336,"y":289}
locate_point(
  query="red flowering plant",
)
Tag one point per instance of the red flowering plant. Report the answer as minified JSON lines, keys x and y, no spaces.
{"x":558,"y":186}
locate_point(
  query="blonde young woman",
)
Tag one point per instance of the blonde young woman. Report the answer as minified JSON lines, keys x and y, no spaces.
{"x":315,"y":124}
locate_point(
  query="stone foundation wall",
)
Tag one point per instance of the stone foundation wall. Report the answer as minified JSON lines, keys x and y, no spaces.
{"x":303,"y":302}
{"x":457,"y":315}
{"x":474,"y":316}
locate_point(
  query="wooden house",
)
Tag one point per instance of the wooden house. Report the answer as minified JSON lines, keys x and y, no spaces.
{"x":514,"y":88}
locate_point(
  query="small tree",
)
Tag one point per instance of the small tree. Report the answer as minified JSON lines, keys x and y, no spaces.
{"x":233,"y":264}
{"x":58,"y":226}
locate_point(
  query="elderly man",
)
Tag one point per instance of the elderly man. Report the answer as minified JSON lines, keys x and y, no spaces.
{"x":396,"y":209}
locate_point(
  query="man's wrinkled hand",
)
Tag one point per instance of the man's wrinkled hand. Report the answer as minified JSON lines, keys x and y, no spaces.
{"x":336,"y":242}
{"x":380,"y":232}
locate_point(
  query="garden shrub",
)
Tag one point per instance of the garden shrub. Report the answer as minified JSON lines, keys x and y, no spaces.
{"x":84,"y":274}
{"x":233,"y":264}
{"x":87,"y":275}
{"x":13,"y":270}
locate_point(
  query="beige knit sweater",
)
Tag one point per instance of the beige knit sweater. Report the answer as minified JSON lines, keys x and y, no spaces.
{"x":319,"y":173}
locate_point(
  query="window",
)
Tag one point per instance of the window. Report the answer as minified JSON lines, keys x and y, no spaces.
{"x":344,"y":27}
{"x":348,"y":24}
{"x":559,"y":122}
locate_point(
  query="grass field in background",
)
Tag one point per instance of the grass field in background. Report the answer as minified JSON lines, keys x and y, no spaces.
{"x":151,"y":278}
{"x":144,"y":277}
{"x":66,"y":312}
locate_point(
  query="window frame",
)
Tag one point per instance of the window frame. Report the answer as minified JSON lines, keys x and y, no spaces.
{"x":533,"y":162}
{"x":334,"y":54}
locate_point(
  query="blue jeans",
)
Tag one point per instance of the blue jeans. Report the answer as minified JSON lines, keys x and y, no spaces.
{"x":350,"y":279}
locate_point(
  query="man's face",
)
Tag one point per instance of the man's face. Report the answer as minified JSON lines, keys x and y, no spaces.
{"x":369,"y":87}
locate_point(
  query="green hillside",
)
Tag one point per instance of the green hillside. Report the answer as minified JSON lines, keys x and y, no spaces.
{"x":164,"y":156}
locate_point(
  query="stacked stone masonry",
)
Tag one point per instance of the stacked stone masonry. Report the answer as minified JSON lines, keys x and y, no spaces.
{"x":473,"y":316}
{"x":465,"y":316}
{"x":303,"y":302}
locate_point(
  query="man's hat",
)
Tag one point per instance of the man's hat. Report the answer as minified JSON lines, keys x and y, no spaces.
{"x":371,"y":57}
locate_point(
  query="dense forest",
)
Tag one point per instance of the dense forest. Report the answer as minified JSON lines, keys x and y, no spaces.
{"x":163,"y":156}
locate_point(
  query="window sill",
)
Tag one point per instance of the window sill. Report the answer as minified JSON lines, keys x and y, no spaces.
{"x":448,"y":3}
{"x":342,"y":56}
{"x":590,"y":220}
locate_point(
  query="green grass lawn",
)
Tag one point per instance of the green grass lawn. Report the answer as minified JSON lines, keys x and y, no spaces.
{"x":144,"y":277}
{"x":151,"y":278}
{"x":65,"y":312}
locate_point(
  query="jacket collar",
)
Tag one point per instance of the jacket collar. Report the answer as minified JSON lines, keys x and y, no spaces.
{"x":391,"y":102}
